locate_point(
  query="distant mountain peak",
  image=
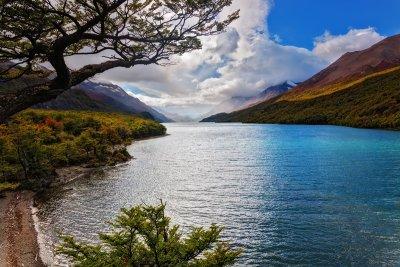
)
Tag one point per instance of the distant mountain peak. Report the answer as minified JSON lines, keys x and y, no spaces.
{"x":101,"y":96}
{"x":240,"y":102}
{"x":291,"y":83}
{"x":269,"y":93}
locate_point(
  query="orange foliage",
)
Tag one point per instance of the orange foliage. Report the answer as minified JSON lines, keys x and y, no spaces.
{"x":53,"y":124}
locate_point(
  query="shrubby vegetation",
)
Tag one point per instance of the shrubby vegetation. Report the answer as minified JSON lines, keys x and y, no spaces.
{"x":36,"y":142}
{"x":372,"y":103}
{"x":5,"y":186}
{"x":143,"y":236}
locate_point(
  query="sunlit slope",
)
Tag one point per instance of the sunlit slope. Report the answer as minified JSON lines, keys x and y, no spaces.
{"x":372,"y":102}
{"x":296,"y":95}
{"x":350,"y":69}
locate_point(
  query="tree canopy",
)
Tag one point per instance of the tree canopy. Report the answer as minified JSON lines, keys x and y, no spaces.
{"x":142,"y":236}
{"x":36,"y":143}
{"x":125,"y":33}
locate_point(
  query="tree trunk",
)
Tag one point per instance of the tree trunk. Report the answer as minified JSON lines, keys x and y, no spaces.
{"x":16,"y":96}
{"x":14,"y":101}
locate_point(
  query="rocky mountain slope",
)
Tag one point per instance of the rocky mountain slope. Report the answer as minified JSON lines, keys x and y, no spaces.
{"x":102,"y":97}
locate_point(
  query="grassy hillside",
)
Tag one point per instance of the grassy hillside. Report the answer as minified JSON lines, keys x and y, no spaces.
{"x":310,"y":93}
{"x":355,"y":65}
{"x":36,"y":142}
{"x":373,"y":102}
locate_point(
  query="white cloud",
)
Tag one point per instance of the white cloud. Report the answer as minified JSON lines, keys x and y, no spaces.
{"x":331,"y":47}
{"x":270,"y":64}
{"x":240,"y":62}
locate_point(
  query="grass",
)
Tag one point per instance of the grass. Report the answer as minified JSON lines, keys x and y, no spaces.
{"x":8,"y":186}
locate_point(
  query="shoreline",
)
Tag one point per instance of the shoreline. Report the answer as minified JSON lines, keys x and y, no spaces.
{"x":19,"y":228}
{"x":148,"y":138}
{"x":303,"y":124}
{"x":18,"y":236}
{"x":70,"y":174}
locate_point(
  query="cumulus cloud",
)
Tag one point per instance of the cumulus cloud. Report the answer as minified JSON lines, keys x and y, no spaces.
{"x":270,"y":64}
{"x":331,"y":47}
{"x":239,"y":62}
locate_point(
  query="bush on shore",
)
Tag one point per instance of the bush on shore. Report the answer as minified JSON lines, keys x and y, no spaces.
{"x":36,"y":142}
{"x":143,"y":236}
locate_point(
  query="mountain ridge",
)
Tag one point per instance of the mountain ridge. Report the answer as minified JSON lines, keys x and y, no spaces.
{"x":240,"y":102}
{"x":350,"y":67}
{"x":98,"y":96}
{"x":361,"y":105}
{"x":367,"y":96}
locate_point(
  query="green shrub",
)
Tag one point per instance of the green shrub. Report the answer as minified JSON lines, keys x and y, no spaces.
{"x":143,"y":236}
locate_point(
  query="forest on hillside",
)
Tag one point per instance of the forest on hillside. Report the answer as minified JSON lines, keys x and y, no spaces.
{"x":36,"y":142}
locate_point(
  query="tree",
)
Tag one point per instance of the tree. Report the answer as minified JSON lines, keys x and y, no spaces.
{"x":125,"y":32}
{"x":87,"y":142}
{"x":142,"y":236}
{"x":110,"y":134}
{"x":32,"y":156}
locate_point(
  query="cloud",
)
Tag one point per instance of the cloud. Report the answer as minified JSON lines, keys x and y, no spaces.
{"x":239,"y":62}
{"x":270,"y":64}
{"x":331,"y":47}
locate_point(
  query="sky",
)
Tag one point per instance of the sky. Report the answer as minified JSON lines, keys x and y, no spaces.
{"x":272,"y":41}
{"x":299,"y":22}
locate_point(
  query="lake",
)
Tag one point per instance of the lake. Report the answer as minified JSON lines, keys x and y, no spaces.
{"x":286,"y":194}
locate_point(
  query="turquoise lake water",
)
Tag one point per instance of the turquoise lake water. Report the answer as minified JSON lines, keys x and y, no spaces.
{"x":288,"y":195}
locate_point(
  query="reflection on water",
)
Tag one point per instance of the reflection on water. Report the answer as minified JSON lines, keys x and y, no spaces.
{"x":308,"y":195}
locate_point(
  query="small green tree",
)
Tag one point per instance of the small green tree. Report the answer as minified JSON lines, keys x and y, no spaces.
{"x":86,"y":142}
{"x":143,"y":236}
{"x":110,"y":134}
{"x":32,"y":155}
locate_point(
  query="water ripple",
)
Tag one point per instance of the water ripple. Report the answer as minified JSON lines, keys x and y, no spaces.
{"x":289,"y":195}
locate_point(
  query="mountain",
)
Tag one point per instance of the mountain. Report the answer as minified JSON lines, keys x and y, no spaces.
{"x":178,"y":117}
{"x":269,"y":93}
{"x":229,"y":105}
{"x":239,"y":102}
{"x":350,"y":67}
{"x":102,"y":97}
{"x":89,"y":95}
{"x":219,"y":117}
{"x":361,"y":89}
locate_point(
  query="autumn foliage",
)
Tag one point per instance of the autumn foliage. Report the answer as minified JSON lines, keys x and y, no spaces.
{"x":34,"y":143}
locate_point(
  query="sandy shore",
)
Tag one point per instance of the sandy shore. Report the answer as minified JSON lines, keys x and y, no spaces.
{"x":18,"y":237}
